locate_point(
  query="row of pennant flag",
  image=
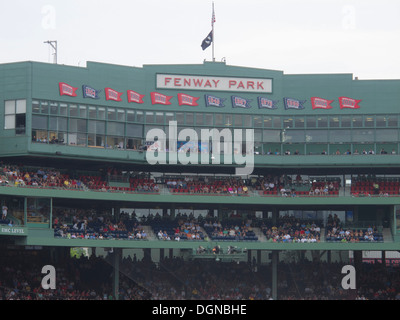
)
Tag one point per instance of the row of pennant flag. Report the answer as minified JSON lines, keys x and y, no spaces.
{"x":210,"y":100}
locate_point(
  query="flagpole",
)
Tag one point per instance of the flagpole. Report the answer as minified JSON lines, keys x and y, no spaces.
{"x":213,"y":37}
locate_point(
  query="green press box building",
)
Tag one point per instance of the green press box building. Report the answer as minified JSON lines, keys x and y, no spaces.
{"x":82,"y":119}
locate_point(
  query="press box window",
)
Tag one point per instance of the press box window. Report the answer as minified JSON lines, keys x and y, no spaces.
{"x":14,"y":115}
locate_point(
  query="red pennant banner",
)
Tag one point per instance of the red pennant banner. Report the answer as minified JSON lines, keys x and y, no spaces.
{"x":319,"y":103}
{"x":111,"y":94}
{"x":158,"y":98}
{"x":187,"y":100}
{"x":349,"y":103}
{"x":135,"y":97}
{"x":67,"y":90}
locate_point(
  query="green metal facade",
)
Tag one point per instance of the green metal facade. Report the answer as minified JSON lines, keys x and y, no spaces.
{"x":380,"y":99}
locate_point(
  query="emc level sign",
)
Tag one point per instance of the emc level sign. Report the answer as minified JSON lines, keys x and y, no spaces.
{"x":209,"y":83}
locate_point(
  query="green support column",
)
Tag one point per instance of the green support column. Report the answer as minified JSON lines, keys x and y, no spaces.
{"x":275,"y":216}
{"x":275,"y":259}
{"x":173,"y":213}
{"x":51,"y":213}
{"x":116,"y":260}
{"x":25,"y":211}
{"x":357,"y":264}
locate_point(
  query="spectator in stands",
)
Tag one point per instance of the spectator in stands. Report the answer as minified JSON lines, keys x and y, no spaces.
{"x":4,"y":210}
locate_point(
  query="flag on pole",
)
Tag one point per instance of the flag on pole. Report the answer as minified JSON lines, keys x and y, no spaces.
{"x":210,"y":38}
{"x":207,"y":41}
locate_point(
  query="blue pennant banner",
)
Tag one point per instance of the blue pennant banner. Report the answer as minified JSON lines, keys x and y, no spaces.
{"x":212,"y":101}
{"x":238,"y":102}
{"x":89,"y":92}
{"x":294,"y":103}
{"x":264,"y":103}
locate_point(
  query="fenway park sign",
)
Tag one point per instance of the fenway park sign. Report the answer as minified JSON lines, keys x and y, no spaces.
{"x":185,"y":82}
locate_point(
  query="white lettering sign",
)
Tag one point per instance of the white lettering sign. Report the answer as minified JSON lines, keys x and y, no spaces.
{"x":185,"y":82}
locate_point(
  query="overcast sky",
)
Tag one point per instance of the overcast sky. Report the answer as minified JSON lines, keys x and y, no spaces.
{"x":361,"y":37}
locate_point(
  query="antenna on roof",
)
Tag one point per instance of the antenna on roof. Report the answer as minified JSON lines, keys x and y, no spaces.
{"x":53,"y":44}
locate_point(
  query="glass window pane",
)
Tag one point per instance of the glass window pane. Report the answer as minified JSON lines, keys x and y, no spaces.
{"x":257,"y":135}
{"x":299,"y":122}
{"x":21,"y":106}
{"x":160,"y":118}
{"x":91,"y":126}
{"x":139,"y":116}
{"x":190,"y":119}
{"x":393,"y":121}
{"x":149,"y":117}
{"x":115,"y":129}
{"x":39,"y":122}
{"x":277,"y":122}
{"x":121,"y":115}
{"x":271,"y":135}
{"x":199,"y":119}
{"x":346,"y":122}
{"x":54,"y":108}
{"x":180,"y":118}
{"x":267,"y":122}
{"x":386,"y":135}
{"x":77,"y":125}
{"x":73,"y":125}
{"x":102,"y":113}
{"x":81,"y":139}
{"x":258,"y":121}
{"x":317,"y":136}
{"x":73,"y":110}
{"x":288,"y":122}
{"x":92,"y":113}
{"x":130,"y":115}
{"x":363,"y":135}
{"x":44,"y":107}
{"x":62,"y":124}
{"x":96,"y":127}
{"x":100,"y":127}
{"x":209,"y":120}
{"x":63,"y":109}
{"x":134,"y":130}
{"x":111,"y":114}
{"x":369,"y":121}
{"x":238,"y":120}
{"x":357,"y":122}
{"x":10,"y":107}
{"x":9,"y":122}
{"x":340,"y":136}
{"x":83,"y":111}
{"x":334,"y":122}
{"x":169,"y":116}
{"x":53,"y":123}
{"x":82,"y":125}
{"x":293,"y":136}
{"x":381,"y":121}
{"x":311,"y":122}
{"x":322,"y":122}
{"x":35,"y":106}
{"x":219,"y":119}
{"x":247,"y":121}
{"x":228,"y":120}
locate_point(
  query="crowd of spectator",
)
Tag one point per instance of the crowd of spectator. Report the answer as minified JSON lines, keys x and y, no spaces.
{"x":269,"y":184}
{"x":292,"y":230}
{"x":89,"y":224}
{"x":37,"y":177}
{"x":207,"y":185}
{"x":179,"y":229}
{"x":90,"y":278}
{"x":230,"y":230}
